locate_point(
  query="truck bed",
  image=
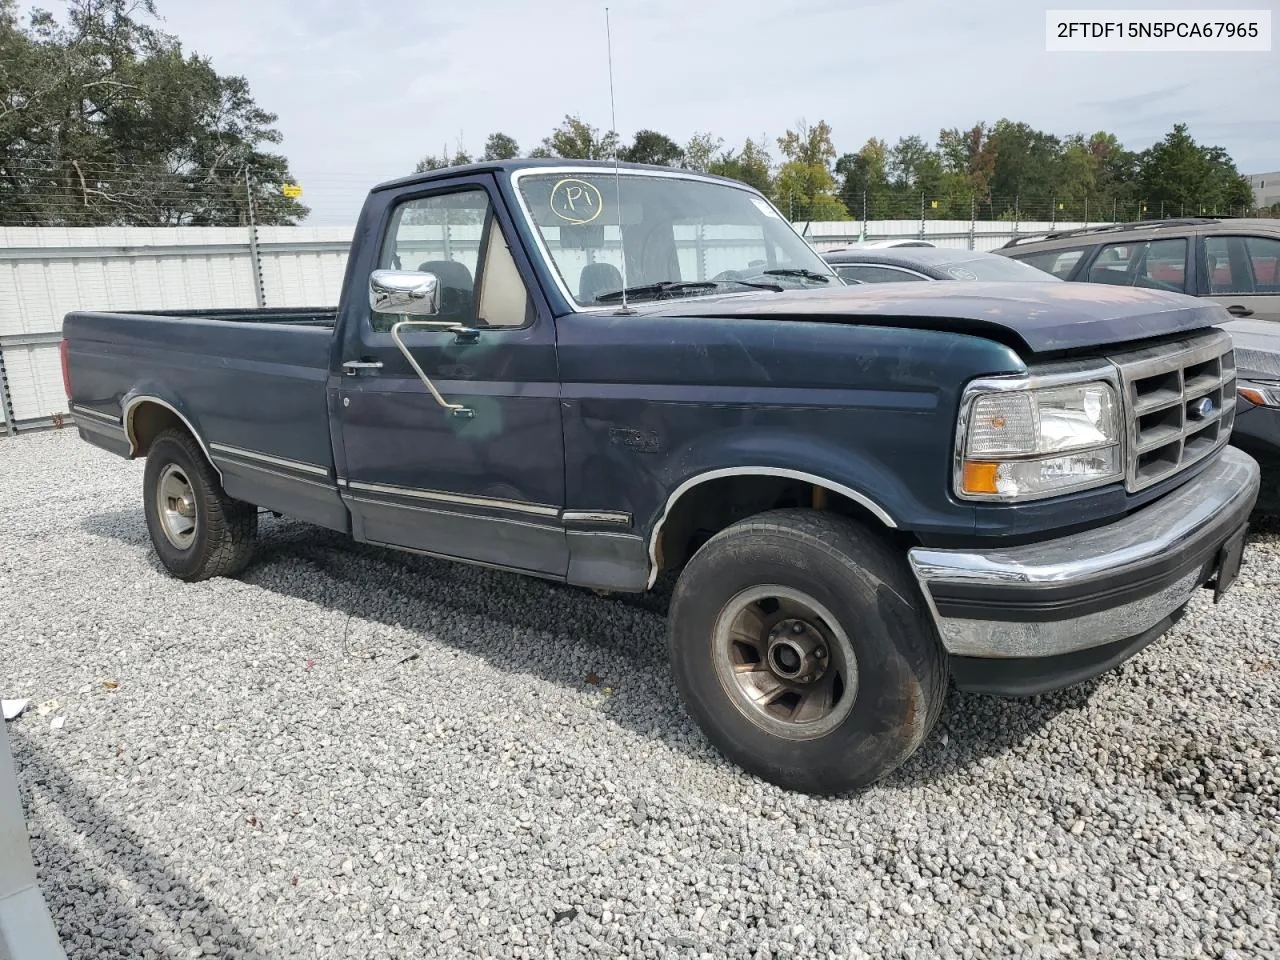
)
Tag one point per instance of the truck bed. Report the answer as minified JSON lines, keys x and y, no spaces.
{"x":249,"y":383}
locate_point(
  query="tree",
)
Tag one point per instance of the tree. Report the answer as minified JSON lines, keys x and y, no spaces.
{"x":431,"y":162}
{"x":105,"y":120}
{"x":751,"y":165}
{"x":578,"y":140}
{"x":1026,"y":163}
{"x":970,"y":154}
{"x":1078,"y":174}
{"x":905,"y":160}
{"x":701,"y":151}
{"x":863,"y":173}
{"x":805,"y":186}
{"x":499,"y":146}
{"x":1184,"y":176}
{"x":649,"y":146}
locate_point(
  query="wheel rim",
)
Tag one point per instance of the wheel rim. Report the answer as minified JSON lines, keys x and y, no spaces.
{"x":176,"y":507}
{"x":785,"y":662}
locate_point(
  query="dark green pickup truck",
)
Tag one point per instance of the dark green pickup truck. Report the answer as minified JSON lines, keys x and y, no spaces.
{"x":602,"y":376}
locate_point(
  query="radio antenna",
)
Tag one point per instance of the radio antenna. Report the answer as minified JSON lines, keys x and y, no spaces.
{"x":617,"y":177}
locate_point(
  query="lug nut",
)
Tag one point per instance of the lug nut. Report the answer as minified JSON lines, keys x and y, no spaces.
{"x":797,"y":628}
{"x":820,"y":654}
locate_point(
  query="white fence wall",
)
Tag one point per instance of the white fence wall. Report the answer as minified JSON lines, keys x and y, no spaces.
{"x":46,"y":272}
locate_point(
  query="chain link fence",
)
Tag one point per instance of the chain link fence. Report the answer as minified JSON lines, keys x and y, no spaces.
{"x":873,"y":205}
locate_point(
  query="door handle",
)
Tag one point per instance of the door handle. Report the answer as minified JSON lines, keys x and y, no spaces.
{"x":352,"y":367}
{"x":1239,"y":310}
{"x":466,"y":335}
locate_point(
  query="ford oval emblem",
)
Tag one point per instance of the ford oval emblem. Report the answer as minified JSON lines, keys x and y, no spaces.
{"x":1201,"y":408}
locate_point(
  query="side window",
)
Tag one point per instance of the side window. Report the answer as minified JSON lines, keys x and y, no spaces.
{"x":1059,"y":263}
{"x":1264,"y":259}
{"x":867,"y":273}
{"x":1218,"y":270}
{"x":1246,"y":265}
{"x":1157,"y":264}
{"x":456,"y":237}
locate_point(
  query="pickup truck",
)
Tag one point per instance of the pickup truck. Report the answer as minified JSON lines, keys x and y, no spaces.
{"x":606,"y":374}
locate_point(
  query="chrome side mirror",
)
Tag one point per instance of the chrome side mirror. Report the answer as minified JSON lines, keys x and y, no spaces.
{"x":404,"y":293}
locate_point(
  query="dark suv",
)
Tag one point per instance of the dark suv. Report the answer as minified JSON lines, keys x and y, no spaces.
{"x":1235,"y":262}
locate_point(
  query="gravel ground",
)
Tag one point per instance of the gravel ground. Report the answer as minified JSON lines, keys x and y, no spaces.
{"x":354,"y":753}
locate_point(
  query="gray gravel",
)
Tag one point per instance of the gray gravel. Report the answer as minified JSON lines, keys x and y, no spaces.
{"x":353,"y":753}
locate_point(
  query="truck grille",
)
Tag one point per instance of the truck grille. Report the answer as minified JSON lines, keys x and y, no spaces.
{"x":1179,"y":402}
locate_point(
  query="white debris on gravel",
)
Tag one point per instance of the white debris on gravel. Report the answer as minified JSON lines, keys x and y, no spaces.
{"x":259,"y":770}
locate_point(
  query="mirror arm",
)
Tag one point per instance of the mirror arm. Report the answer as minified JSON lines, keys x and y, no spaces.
{"x":457,"y":409}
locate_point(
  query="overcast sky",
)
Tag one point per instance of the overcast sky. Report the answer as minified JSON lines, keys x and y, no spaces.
{"x":363,"y":90}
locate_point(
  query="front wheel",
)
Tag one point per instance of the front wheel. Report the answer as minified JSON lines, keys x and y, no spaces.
{"x":799,"y":644}
{"x":197,"y":530}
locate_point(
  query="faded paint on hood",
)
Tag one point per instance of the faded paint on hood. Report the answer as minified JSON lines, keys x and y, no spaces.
{"x":1044,"y":318}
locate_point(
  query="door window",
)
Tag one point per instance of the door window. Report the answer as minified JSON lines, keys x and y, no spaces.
{"x":457,"y":237}
{"x":1244,"y":265}
{"x":1059,"y":263}
{"x":1157,"y":264}
{"x":1264,"y":258}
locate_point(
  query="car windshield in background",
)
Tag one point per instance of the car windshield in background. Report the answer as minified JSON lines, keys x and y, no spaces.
{"x":992,"y":268}
{"x":683,"y":236}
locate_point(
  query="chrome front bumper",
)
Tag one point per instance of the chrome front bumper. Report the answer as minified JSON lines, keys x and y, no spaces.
{"x":1090,"y":590}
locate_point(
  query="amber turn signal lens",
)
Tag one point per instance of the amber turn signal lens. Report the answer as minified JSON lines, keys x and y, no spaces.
{"x":980,"y":477}
{"x":1252,"y":395}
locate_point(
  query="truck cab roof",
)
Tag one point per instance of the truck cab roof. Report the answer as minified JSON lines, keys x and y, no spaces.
{"x":527,"y":163}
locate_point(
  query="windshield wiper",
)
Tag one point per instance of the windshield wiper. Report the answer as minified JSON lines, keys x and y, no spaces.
{"x":661,"y":287}
{"x":759,"y":286}
{"x":673,"y":286}
{"x":797,"y":272}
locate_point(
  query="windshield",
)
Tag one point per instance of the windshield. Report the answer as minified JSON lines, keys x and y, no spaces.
{"x":683,"y":237}
{"x":993,"y":268}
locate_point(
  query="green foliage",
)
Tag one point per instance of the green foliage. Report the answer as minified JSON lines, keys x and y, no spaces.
{"x":864,"y":175}
{"x":499,"y":146}
{"x":1179,"y":173}
{"x":649,"y":146}
{"x":751,"y":165}
{"x":430,"y":162}
{"x":578,"y":140}
{"x":701,"y":151}
{"x":805,"y":185}
{"x":105,"y":120}
{"x":1027,"y":161}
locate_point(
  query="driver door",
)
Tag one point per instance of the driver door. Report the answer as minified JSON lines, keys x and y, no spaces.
{"x":486,"y":486}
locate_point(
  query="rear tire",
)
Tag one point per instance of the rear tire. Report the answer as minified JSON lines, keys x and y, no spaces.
{"x":800,"y":644}
{"x":197,"y":530}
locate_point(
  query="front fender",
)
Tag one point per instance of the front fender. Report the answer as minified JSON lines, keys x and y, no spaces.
{"x":748,"y":451}
{"x":878,"y":477}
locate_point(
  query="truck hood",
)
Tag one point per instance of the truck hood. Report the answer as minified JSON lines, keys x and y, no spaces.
{"x":1032,"y":317}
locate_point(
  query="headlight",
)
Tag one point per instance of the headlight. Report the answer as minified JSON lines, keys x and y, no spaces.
{"x":1261,"y":393}
{"x":1026,"y":444}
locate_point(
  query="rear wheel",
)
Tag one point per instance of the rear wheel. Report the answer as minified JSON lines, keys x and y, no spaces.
{"x":800,"y":645}
{"x":197,"y":530}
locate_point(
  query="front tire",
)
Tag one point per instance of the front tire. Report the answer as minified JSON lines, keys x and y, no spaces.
{"x":800,"y":645}
{"x":197,"y":530}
